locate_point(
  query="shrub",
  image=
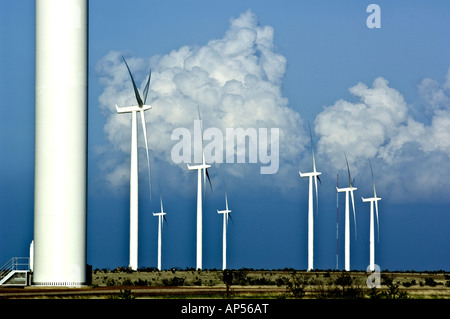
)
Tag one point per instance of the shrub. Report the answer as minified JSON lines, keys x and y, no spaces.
{"x":110,"y":282}
{"x":175,"y":281}
{"x":374,"y":293}
{"x":296,"y":286}
{"x":198,"y":282}
{"x":260,"y":281}
{"x":393,"y":292}
{"x":141,"y":282}
{"x":386,"y":279}
{"x":127,"y":282}
{"x":126,"y":294}
{"x":430,"y":282}
{"x":344,"y":280}
{"x":240,"y":277}
{"x":281,"y":281}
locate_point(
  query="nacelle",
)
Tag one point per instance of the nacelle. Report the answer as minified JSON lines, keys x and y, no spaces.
{"x":309,"y":174}
{"x":133,"y":108}
{"x":346,"y":189}
{"x":200,"y":166}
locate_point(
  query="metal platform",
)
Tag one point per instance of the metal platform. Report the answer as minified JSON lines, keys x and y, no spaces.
{"x":16,"y":272}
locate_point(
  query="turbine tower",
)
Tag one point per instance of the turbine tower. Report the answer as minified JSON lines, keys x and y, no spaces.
{"x":348,"y":190}
{"x":373,"y":200}
{"x":226,"y":214}
{"x":201,"y":167}
{"x":312,"y":175}
{"x":161,"y":216}
{"x":61,"y":56}
{"x":134,"y":165}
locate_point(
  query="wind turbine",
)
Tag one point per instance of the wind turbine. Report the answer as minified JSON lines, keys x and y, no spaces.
{"x":226,"y":214}
{"x":161,"y":219}
{"x":203,"y":166}
{"x":312,"y":175}
{"x":141,"y":107}
{"x":373,"y":200}
{"x":348,"y":190}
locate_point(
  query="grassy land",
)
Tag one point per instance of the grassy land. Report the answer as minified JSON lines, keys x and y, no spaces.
{"x":245,"y":283}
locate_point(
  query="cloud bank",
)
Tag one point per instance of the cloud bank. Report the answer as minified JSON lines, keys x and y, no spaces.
{"x":235,"y":81}
{"x":412,"y":157}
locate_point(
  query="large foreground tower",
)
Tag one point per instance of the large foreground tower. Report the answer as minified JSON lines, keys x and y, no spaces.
{"x":60,"y":142}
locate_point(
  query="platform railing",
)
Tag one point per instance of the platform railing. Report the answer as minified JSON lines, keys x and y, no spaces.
{"x":15,"y":263}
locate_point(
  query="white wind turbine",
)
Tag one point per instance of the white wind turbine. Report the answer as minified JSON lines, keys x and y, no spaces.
{"x":161,"y":219}
{"x":203,"y":166}
{"x":373,"y":200}
{"x":134,"y":165}
{"x":312,"y":175}
{"x":348,"y":190}
{"x":226,"y":214}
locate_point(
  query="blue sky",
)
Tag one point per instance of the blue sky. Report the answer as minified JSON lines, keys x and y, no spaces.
{"x":376,"y":94}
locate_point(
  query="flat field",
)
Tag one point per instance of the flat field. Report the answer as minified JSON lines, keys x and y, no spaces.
{"x":247,"y":283}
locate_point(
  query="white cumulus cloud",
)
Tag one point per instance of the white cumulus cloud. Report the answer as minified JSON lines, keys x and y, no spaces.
{"x":412,"y":156}
{"x":235,"y":81}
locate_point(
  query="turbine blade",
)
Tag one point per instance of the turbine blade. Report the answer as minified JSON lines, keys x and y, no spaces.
{"x":317,"y":196}
{"x":201,"y":131}
{"x":198,"y":111}
{"x":354,"y":215}
{"x":229,"y":215}
{"x":378,"y":223}
{"x":316,"y":177}
{"x":312,"y":148}
{"x":226,"y":201}
{"x":203,"y":147}
{"x":373,"y":182}
{"x":205,"y":170}
{"x":144,"y":129}
{"x":203,"y":150}
{"x":209,"y":179}
{"x":348,"y":170}
{"x":164,"y":217}
{"x":136,"y":92}
{"x":162,"y":210}
{"x":337,"y":193}
{"x":204,"y":180}
{"x":147,"y":86}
